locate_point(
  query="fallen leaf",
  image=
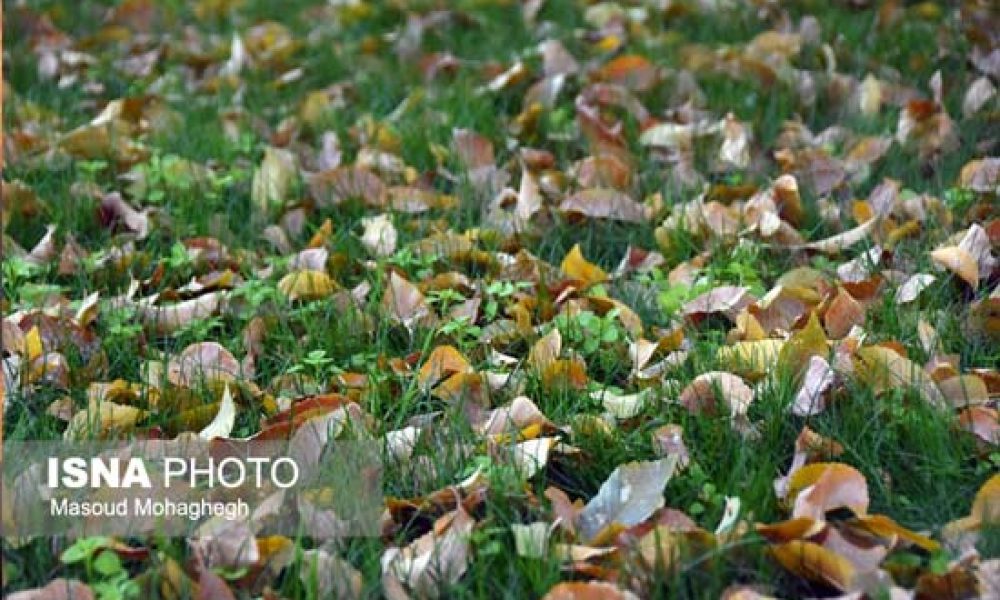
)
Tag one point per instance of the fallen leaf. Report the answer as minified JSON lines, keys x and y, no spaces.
{"x":912,"y":287}
{"x":842,"y":241}
{"x":57,"y":589}
{"x":708,"y":389}
{"x":885,"y":369}
{"x":750,"y":359}
{"x":327,"y":575}
{"x":821,"y":487}
{"x":437,"y":558}
{"x":818,"y":378}
{"x":843,"y":314}
{"x":222,"y":425}
{"x":443,"y":362}
{"x":307,"y":285}
{"x":379,"y":237}
{"x":404,"y":302}
{"x":577,"y":267}
{"x":959,"y":262}
{"x":669,"y":440}
{"x":964,"y":390}
{"x":728,"y":300}
{"x":815,"y":563}
{"x":203,"y":362}
{"x":604,"y":203}
{"x":983,"y":422}
{"x":588,"y":590}
{"x":273,"y":179}
{"x":532,"y":540}
{"x":629,"y":496}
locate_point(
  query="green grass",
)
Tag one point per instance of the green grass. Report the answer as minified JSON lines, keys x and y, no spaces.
{"x":920,"y":470}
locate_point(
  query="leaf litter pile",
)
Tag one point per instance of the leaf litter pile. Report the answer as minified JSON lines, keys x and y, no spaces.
{"x":641,"y":299}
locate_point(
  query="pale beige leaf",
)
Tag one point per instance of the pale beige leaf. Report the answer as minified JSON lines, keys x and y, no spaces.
{"x":628,"y":497}
{"x":959,"y":262}
{"x":379,"y":237}
{"x":222,"y":425}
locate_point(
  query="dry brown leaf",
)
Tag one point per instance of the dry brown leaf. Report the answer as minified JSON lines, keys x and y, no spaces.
{"x":843,"y":314}
{"x":751,"y":358}
{"x":728,"y":300}
{"x":203,"y":361}
{"x":704,"y":393}
{"x":986,"y":505}
{"x":977,"y":96}
{"x":545,"y":351}
{"x":604,"y":203}
{"x":981,"y":175}
{"x":735,"y":149}
{"x":669,"y":440}
{"x":57,"y":589}
{"x":404,"y":302}
{"x":437,"y":558}
{"x":588,"y":590}
{"x":521,"y":413}
{"x":983,"y":422}
{"x":332,"y":576}
{"x":977,"y":243}
{"x":964,"y":390}
{"x":102,"y":418}
{"x":565,"y":373}
{"x":338,"y":185}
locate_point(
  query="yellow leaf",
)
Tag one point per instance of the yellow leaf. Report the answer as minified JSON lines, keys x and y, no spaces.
{"x":751,"y":359}
{"x":307,"y":284}
{"x":33,"y":344}
{"x":804,"y":344}
{"x":986,"y":506}
{"x":577,"y":267}
{"x":885,"y":369}
{"x":816,"y":563}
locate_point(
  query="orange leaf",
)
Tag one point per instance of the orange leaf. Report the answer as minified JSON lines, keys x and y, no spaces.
{"x":588,"y":590}
{"x":443,"y":362}
{"x":843,"y":313}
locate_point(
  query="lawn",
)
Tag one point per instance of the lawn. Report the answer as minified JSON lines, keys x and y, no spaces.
{"x":681,"y":299}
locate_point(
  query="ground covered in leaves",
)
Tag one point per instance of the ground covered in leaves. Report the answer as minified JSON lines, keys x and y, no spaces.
{"x":643,"y":299}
